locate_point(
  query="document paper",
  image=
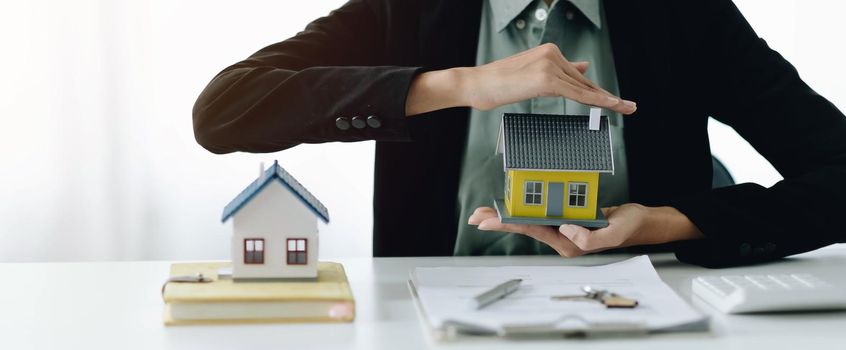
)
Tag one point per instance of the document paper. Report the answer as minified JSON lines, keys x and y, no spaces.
{"x":445,"y":293}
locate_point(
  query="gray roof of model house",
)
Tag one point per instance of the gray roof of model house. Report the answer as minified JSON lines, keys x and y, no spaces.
{"x":276,"y":172}
{"x":555,"y":142}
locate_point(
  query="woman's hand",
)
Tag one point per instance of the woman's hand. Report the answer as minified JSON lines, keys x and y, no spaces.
{"x":540,"y":71}
{"x":628,"y":225}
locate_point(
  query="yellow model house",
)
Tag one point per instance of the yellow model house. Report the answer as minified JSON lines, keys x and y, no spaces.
{"x":552,"y":166}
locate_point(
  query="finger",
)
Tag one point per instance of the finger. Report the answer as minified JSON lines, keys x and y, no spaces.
{"x":572,"y":70}
{"x":595,"y":98}
{"x":480,"y":214}
{"x":608,"y":237}
{"x":494,"y":224}
{"x":588,"y":240}
{"x":572,"y":74}
{"x":569,"y":79}
{"x":607,"y":211}
{"x":625,"y":106}
{"x":581,"y":66}
{"x":553,"y":53}
{"x":546,"y":234}
{"x":484,"y":210}
{"x":575,"y":76}
{"x":585,"y":96}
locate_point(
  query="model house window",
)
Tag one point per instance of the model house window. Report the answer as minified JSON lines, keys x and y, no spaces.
{"x":534,"y":193}
{"x":297,"y":254}
{"x":578,"y":194}
{"x":254,"y":251}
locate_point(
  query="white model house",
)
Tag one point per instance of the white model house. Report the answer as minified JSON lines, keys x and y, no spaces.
{"x":274,"y":228}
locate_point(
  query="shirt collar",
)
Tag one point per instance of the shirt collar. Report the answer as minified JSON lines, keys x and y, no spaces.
{"x":504,"y":11}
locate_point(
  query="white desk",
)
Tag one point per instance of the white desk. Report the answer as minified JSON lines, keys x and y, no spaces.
{"x":116,"y":305}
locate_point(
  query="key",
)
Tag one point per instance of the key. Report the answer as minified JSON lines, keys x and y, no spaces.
{"x":590,"y":294}
{"x":195,"y":278}
{"x":615,"y":301}
{"x":575,"y":297}
{"x":610,"y":300}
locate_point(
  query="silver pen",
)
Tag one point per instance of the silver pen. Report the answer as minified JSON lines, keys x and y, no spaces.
{"x":500,"y":291}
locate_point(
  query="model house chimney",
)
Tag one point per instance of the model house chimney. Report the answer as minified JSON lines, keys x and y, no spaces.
{"x":593,"y":122}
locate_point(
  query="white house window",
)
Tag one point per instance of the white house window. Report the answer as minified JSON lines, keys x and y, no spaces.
{"x":534,"y":193}
{"x":578,"y":194}
{"x":254,"y":251}
{"x":297,"y":251}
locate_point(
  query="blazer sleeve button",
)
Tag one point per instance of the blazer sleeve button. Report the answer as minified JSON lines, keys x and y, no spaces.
{"x":374,"y":122}
{"x":358,"y":122}
{"x":342,"y":123}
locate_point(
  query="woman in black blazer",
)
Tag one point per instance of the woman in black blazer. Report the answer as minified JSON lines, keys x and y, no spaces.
{"x":397,"y":71}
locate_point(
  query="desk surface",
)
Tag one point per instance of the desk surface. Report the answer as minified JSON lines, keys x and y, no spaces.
{"x":117,"y":305}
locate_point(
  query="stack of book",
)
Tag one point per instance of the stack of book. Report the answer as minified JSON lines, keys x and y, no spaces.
{"x":325,"y":299}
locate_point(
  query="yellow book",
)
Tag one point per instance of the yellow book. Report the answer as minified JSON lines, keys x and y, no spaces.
{"x":326,"y":299}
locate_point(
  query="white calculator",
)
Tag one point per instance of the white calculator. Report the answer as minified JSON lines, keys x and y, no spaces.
{"x":768,"y":293}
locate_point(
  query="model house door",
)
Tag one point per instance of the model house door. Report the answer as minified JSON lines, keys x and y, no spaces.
{"x":555,"y":199}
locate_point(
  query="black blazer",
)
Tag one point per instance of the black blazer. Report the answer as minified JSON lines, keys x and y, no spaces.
{"x":682,"y":61}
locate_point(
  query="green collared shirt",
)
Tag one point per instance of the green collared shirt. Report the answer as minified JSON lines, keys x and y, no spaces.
{"x":509,"y":27}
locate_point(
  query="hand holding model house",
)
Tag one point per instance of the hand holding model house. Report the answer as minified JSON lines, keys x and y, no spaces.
{"x":552,"y":166}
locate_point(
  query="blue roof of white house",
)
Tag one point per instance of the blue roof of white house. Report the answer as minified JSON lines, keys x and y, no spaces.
{"x":275,"y":172}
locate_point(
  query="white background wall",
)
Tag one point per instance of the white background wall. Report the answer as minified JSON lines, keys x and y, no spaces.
{"x":98,"y":157}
